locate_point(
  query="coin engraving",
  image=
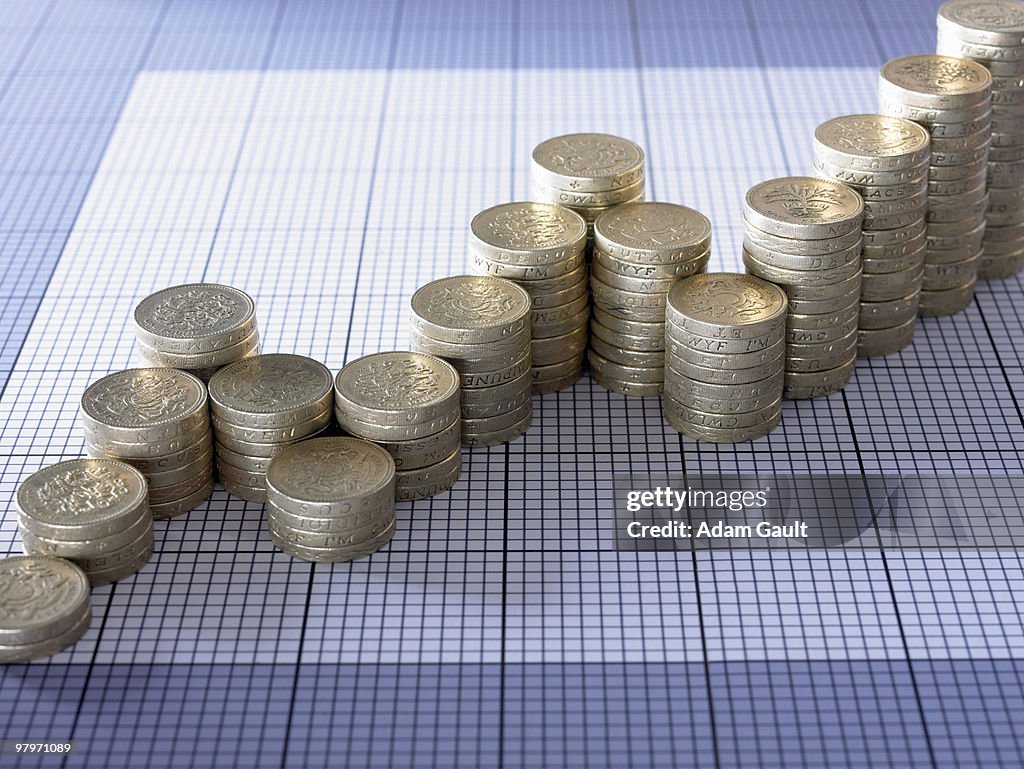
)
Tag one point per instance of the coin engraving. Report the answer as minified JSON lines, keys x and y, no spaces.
{"x":142,"y":397}
{"x":528,"y":226}
{"x":397,"y":380}
{"x":470,"y":301}
{"x":80,"y":489}
{"x":804,"y":200}
{"x":37,"y":590}
{"x":273,"y":382}
{"x":872,"y":135}
{"x":935,"y":74}
{"x":727,"y":299}
{"x":654,"y":226}
{"x":194,"y":310}
{"x":588,"y":155}
{"x":331,"y":469}
{"x":989,"y":15}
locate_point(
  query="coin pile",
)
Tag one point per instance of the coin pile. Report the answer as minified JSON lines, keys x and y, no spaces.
{"x":260,"y":406}
{"x":804,"y":234}
{"x":480,"y":325}
{"x":331,"y":499}
{"x":885,"y":159}
{"x":725,"y":341}
{"x":991,"y":32}
{"x":588,"y":173}
{"x":197,"y":327}
{"x":158,"y":421}
{"x":45,"y":602}
{"x":541,"y":247}
{"x":640,"y":251}
{"x":951,"y":97}
{"x":94,"y":512}
{"x":407,"y":402}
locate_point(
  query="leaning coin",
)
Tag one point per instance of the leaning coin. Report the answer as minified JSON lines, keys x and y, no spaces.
{"x":43,"y":597}
{"x":194,"y":318}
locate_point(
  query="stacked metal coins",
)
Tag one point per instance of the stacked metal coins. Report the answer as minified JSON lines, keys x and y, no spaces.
{"x":158,"y":421}
{"x":331,"y":499}
{"x":640,"y":251}
{"x":261,"y":406}
{"x":197,"y":327}
{"x":991,"y":32}
{"x":480,"y":325}
{"x":725,"y":341}
{"x":588,"y":173}
{"x":94,"y":512}
{"x":805,"y":235}
{"x":46,"y":606}
{"x":408,"y":402}
{"x":951,"y":97}
{"x":541,"y":247}
{"x":886,"y":160}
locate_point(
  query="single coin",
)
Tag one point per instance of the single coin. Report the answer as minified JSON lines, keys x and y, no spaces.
{"x":627,"y":283}
{"x":397,"y":388}
{"x":488,"y":378}
{"x":183,"y":505}
{"x":333,"y":554}
{"x":710,"y":375}
{"x":40,"y":598}
{"x":649,"y":233}
{"x":144,"y":405}
{"x":822,"y":360}
{"x":933,"y":80}
{"x":986,"y":22}
{"x":913,"y":175}
{"x":803,"y":207}
{"x":330,"y":476}
{"x":271,"y":391}
{"x":871,"y":143}
{"x":340,"y":540}
{"x":725,"y":344}
{"x":470,"y":309}
{"x":727,"y":306}
{"x":528,"y":233}
{"x":817,"y":384}
{"x":911,"y":261}
{"x":82,"y":499}
{"x":587,"y":162}
{"x":194,"y":318}
{"x":891,"y":237}
{"x":626,"y":326}
{"x":932,"y":116}
{"x":821,"y":335}
{"x":712,"y":405}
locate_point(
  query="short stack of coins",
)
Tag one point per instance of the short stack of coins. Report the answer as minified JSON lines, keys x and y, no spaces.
{"x":197,"y":327}
{"x":158,"y":421}
{"x":542,"y":248}
{"x":951,"y":97}
{"x":331,"y":499}
{"x":94,"y":512}
{"x":991,"y":32}
{"x":409,"y":403}
{"x":588,"y":173}
{"x":886,"y":160}
{"x":804,"y":234}
{"x":260,"y":406}
{"x":480,"y":325}
{"x":724,"y":352}
{"x":45,"y":608}
{"x":640,"y":251}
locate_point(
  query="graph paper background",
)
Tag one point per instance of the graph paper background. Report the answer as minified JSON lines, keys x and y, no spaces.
{"x":327,"y":158}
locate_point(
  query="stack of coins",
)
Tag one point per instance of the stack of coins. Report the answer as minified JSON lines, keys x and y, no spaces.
{"x":541,"y":247}
{"x":197,"y":327}
{"x":805,"y":235}
{"x":331,"y":499}
{"x":886,"y":160}
{"x":158,"y":421}
{"x":640,"y":251}
{"x":45,"y":606}
{"x":261,"y":406}
{"x":480,"y":325}
{"x":94,"y":512}
{"x":409,"y":403}
{"x":991,"y":32}
{"x":588,"y":173}
{"x":951,"y":97}
{"x":725,"y":337}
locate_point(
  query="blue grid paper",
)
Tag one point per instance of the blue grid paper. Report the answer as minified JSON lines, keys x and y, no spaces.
{"x":327,"y":157}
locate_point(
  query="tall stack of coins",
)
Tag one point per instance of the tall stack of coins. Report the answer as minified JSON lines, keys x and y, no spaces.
{"x":991,"y":32}
{"x":541,"y":247}
{"x":951,"y":97}
{"x":197,"y":327}
{"x":805,"y":235}
{"x":94,"y":512}
{"x":45,"y":606}
{"x":588,"y":173}
{"x":408,"y":402}
{"x":886,"y":160}
{"x":158,"y":421}
{"x":640,"y":251}
{"x":331,"y":499}
{"x":480,"y":325}
{"x":261,"y":406}
{"x":725,"y":337}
